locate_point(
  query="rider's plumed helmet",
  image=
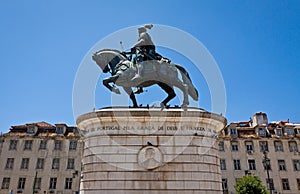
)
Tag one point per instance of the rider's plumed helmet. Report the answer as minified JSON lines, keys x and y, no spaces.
{"x":143,"y":28}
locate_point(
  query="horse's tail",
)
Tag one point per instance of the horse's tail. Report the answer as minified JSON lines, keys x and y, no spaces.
{"x":193,"y":92}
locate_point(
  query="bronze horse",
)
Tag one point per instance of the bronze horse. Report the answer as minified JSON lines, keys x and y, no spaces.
{"x":157,"y":72}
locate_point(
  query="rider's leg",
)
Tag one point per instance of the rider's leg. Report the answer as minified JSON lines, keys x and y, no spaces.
{"x":139,"y":70}
{"x":138,"y":66}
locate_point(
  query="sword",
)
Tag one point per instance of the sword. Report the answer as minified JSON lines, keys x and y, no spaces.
{"x":122,"y":47}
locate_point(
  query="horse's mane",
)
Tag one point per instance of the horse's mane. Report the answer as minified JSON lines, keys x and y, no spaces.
{"x":113,"y":50}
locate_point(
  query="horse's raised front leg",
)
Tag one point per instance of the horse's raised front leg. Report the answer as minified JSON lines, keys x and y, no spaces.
{"x":109,"y":80}
{"x":129,"y":91}
{"x":169,"y":90}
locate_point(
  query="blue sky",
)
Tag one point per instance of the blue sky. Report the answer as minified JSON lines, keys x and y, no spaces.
{"x":256,"y":45}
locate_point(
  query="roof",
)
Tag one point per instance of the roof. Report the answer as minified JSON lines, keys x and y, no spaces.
{"x":41,"y":124}
{"x":42,"y":128}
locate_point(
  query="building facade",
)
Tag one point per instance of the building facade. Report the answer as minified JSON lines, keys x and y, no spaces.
{"x":45,"y":158}
{"x":267,"y":150}
{"x":40,"y":158}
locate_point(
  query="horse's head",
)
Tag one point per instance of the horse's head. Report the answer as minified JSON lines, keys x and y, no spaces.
{"x":105,"y":56}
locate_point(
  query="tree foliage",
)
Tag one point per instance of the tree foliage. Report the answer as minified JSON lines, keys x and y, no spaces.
{"x":250,"y":185}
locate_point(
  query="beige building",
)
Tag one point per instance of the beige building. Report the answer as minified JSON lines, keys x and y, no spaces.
{"x":264,"y":149}
{"x":51,"y":155}
{"x":40,"y":158}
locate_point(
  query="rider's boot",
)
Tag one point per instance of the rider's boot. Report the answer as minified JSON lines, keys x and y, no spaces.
{"x":136,"y":77}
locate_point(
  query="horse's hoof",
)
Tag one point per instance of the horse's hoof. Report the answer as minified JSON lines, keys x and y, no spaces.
{"x":116,"y":90}
{"x":184,"y":106}
{"x":162,"y":106}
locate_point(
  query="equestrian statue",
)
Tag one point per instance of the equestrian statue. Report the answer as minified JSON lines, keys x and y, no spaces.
{"x":142,"y":67}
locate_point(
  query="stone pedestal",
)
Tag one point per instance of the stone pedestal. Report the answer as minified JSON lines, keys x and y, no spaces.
{"x":128,"y":150}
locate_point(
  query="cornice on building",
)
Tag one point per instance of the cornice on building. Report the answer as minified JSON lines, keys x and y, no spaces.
{"x":259,"y":121}
{"x":42,"y":129}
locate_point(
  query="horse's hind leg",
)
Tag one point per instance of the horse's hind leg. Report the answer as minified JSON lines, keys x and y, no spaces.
{"x":169,"y":90}
{"x":184,"y":88}
{"x":129,"y":91}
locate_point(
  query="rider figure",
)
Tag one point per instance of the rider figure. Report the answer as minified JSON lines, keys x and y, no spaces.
{"x":144,"y":49}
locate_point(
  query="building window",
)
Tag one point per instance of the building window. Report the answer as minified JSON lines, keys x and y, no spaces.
{"x":43,"y":145}
{"x":52,"y":184}
{"x":73,"y":145}
{"x":279,"y":132}
{"x":263,"y":146}
{"x":37,"y":184}
{"x":25,"y":163}
{"x":262,"y":132}
{"x":249,"y":146}
{"x":234,"y":146}
{"x":9,"y":163}
{"x":290,"y":132}
{"x":28,"y":145}
{"x":237,"y":164}
{"x":278,"y":146}
{"x":40,"y":163}
{"x":270,"y":184}
{"x":224,"y":185}
{"x":233,"y":131}
{"x":21,"y":183}
{"x":293,"y":146}
{"x":13,"y":144}
{"x":75,"y":130}
{"x":60,"y":130}
{"x":55,"y":163}
{"x":251,"y":164}
{"x":223,"y":164}
{"x":32,"y":129}
{"x":70,"y":164}
{"x":296,"y":165}
{"x":57,"y":144}
{"x":298,"y":184}
{"x":221,"y":146}
{"x":281,"y":165}
{"x":285,"y":184}
{"x":68,"y":184}
{"x":5,"y":183}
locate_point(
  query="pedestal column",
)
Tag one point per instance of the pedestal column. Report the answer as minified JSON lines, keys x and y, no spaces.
{"x":128,"y":150}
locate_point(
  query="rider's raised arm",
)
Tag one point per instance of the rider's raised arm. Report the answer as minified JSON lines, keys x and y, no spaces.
{"x":140,"y":42}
